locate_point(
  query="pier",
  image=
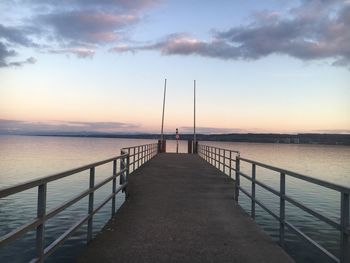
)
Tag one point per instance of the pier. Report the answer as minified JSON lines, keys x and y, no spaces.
{"x":181,"y":209}
{"x":178,"y":208}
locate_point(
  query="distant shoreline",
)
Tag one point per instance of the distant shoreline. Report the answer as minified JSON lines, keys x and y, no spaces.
{"x":301,"y":138}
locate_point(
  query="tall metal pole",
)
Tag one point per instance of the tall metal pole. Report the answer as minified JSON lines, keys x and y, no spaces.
{"x":194,"y":117}
{"x":161,"y":132}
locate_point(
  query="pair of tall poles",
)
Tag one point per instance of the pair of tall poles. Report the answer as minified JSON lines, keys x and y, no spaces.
{"x":194,"y":114}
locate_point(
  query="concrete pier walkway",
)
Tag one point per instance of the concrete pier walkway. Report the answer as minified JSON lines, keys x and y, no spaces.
{"x":181,"y":209}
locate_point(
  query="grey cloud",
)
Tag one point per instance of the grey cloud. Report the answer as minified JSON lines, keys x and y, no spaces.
{"x":11,"y":37}
{"x":18,"y":126}
{"x":79,"y":52}
{"x":318,"y":29}
{"x":5,"y":53}
{"x":69,"y":26}
{"x":17,"y":35}
{"x":30,"y":60}
{"x":89,"y":27}
{"x":121,"y":5}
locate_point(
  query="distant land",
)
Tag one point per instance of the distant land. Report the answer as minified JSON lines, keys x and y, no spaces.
{"x":300,"y":138}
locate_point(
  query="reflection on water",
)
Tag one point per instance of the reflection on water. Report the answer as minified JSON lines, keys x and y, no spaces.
{"x":25,"y":157}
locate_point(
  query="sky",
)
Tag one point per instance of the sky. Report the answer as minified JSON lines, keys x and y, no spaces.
{"x":99,"y":65}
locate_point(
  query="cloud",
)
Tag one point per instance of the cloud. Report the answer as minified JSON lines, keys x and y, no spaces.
{"x":79,"y":52}
{"x":6,"y":53}
{"x":30,"y":60}
{"x":11,"y":37}
{"x":17,"y":36}
{"x":317,"y":29}
{"x":88,"y":26}
{"x":20,"y":127}
{"x":77,"y":27}
{"x":119,"y":5}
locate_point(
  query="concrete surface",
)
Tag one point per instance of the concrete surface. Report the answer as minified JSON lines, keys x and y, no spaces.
{"x":181,"y":209}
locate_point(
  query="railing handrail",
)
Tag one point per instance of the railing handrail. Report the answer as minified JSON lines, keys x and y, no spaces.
{"x":300,"y":176}
{"x":343,"y":226}
{"x":5,"y":191}
{"x":147,"y":144}
{"x":148,"y":152}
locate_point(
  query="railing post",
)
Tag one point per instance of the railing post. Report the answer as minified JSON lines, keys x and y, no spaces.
{"x":345,"y":226}
{"x":223,"y":160}
{"x":141,"y":156}
{"x":114,"y":186}
{"x":282,"y":206}
{"x":147,"y":151}
{"x":253,"y":190}
{"x":40,"y":230}
{"x":134,"y":159}
{"x":138,"y":156}
{"x":122,"y":166}
{"x":216,"y":156}
{"x":230,"y":172}
{"x":205,"y":152}
{"x":211,"y":155}
{"x":91,"y":203}
{"x":237,"y":183}
{"x":127,"y":161}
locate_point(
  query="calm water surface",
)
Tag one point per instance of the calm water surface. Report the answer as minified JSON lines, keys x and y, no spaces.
{"x":25,"y":157}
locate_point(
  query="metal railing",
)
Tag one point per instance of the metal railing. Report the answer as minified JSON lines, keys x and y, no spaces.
{"x":213,"y":156}
{"x":139,"y":154}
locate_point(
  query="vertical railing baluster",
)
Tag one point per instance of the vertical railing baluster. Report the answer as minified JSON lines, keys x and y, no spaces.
{"x":226,"y":162}
{"x":282,"y":206}
{"x":121,"y":172}
{"x":147,"y":153}
{"x":134,"y":159}
{"x":142,"y":155}
{"x":253,"y":190}
{"x":205,"y":152}
{"x":40,"y":229}
{"x":114,"y":186}
{"x":91,"y":204}
{"x":230,"y":164}
{"x":138,"y":156}
{"x":237,"y":182}
{"x":127,"y":161}
{"x":345,"y":226}
{"x":122,"y":177}
{"x":211,"y":155}
{"x":214,"y":158}
{"x":223,"y":160}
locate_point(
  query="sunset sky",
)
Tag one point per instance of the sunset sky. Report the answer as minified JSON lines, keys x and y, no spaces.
{"x":100,"y":65}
